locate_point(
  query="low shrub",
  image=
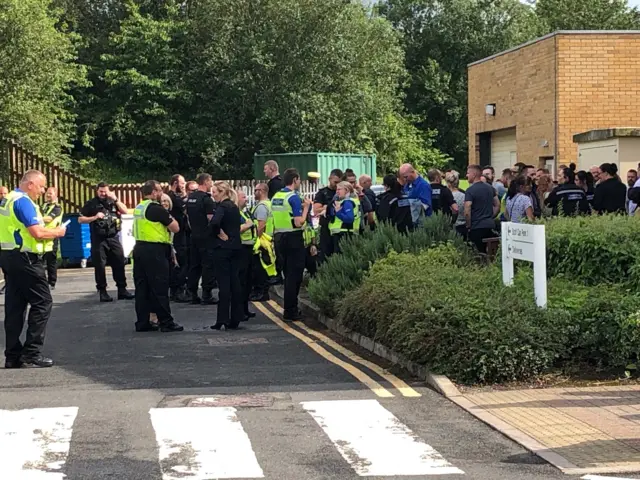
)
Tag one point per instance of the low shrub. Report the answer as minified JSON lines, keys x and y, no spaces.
{"x":594,"y":249}
{"x":458,"y":318}
{"x":344,"y":272}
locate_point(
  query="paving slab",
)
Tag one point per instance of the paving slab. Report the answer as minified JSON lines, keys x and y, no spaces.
{"x":580,"y":430}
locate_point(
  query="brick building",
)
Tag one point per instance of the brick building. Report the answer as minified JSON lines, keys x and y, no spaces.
{"x":527,"y":103}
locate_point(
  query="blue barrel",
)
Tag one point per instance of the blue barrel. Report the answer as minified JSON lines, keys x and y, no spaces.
{"x":75,"y":246}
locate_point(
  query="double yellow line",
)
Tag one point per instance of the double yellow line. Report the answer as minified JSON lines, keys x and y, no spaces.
{"x":404,"y":389}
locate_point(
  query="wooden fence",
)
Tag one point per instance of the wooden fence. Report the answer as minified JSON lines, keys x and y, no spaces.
{"x":74,"y":191}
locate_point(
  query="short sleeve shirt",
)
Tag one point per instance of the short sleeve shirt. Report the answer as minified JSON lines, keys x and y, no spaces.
{"x":261,"y":212}
{"x":481,"y":195}
{"x":517,"y":207}
{"x":157,"y":213}
{"x":96,"y":205}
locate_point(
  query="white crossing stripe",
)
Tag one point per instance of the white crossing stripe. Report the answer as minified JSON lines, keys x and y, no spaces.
{"x":203,"y":443}
{"x":374,"y":441}
{"x":34,"y":443}
{"x":598,"y":477}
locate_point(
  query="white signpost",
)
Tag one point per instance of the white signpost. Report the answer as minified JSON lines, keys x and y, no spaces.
{"x":525,"y":242}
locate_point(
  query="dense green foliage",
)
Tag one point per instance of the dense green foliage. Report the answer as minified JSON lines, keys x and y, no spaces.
{"x":458,"y":318}
{"x":594,"y":249}
{"x":342,"y":273}
{"x":204,"y":84}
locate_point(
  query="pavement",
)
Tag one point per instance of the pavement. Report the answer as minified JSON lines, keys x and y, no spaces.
{"x":586,"y":430}
{"x":275,"y":400}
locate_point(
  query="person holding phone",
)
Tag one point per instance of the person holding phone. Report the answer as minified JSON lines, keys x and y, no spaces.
{"x":22,"y":237}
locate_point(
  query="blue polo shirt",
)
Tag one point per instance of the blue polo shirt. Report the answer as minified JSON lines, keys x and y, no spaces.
{"x":419,"y":193}
{"x":26,"y":214}
{"x":295,"y":202}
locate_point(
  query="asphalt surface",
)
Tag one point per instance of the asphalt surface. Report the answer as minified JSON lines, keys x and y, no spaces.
{"x":115,"y":377}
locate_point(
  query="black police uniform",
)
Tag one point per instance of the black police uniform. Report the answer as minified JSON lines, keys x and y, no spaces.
{"x":325,"y":197}
{"x":571,"y":198}
{"x":181,"y":241}
{"x":152,"y":274}
{"x":106,"y":246}
{"x":199,"y":205}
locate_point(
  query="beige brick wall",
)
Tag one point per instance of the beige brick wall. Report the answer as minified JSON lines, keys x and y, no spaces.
{"x":598,"y":85}
{"x":522,"y":85}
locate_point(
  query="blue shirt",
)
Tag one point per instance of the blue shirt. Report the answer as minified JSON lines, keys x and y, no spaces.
{"x":295,"y":202}
{"x":419,"y":194}
{"x":26,"y":214}
{"x":347,"y":213}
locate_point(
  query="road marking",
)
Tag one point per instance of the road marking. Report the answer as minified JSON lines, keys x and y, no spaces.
{"x":374,"y":441}
{"x":598,"y":477}
{"x":359,"y":374}
{"x":202,"y":443}
{"x":404,"y":389}
{"x":34,"y":443}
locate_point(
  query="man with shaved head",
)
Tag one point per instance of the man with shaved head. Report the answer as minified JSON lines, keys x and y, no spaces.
{"x":418,"y":190}
{"x":22,"y":238}
{"x":52,"y":215}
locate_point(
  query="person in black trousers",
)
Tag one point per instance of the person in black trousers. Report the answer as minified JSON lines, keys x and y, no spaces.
{"x":227,"y":252}
{"x":248,"y":239}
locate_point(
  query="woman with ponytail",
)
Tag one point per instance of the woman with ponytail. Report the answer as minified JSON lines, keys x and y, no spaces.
{"x":225,"y":227}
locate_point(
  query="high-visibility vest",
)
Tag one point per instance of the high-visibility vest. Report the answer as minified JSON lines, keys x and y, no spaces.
{"x":283,"y":220}
{"x":9,"y":225}
{"x":56,"y":222}
{"x":336,"y":226}
{"x":269,"y":225}
{"x":145,"y":230}
{"x":248,"y":237}
{"x":266,"y":253}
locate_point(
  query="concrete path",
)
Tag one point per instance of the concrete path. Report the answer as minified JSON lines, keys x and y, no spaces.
{"x":274,"y":400}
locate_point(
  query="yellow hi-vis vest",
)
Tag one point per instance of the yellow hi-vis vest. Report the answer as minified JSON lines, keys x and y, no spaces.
{"x":56,"y":222}
{"x":336,"y":226}
{"x":283,"y":219}
{"x":268,"y":229}
{"x":145,"y":230}
{"x":266,"y":253}
{"x":248,"y":237}
{"x":9,"y":225}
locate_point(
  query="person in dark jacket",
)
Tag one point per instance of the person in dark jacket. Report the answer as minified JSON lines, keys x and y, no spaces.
{"x":227,"y":250}
{"x":568,"y":196}
{"x":611,"y":193}
{"x":394,"y":206}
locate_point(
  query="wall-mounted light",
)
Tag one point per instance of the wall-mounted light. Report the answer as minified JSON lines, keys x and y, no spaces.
{"x":490,"y":109}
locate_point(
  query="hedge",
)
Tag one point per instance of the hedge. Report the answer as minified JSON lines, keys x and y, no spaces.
{"x":344,"y":272}
{"x":457,"y":318}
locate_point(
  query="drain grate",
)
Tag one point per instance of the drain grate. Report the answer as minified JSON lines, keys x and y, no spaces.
{"x":248,"y":400}
{"x":232,"y":341}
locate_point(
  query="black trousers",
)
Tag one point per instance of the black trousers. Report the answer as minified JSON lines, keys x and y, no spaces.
{"x":108,"y":251}
{"x":326,"y":245}
{"x":226,"y":263}
{"x":201,"y":265}
{"x":246,"y":274}
{"x":311,"y":263}
{"x":476,"y":236}
{"x":179,"y":273}
{"x":26,"y":286}
{"x":260,"y":277}
{"x":51,"y":259}
{"x":337,"y":238}
{"x":151,"y":275}
{"x":290,"y":247}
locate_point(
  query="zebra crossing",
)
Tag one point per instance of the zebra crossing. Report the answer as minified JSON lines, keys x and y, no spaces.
{"x":211,"y":442}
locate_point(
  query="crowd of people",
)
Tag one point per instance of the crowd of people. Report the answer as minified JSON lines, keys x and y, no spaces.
{"x":202,"y":234}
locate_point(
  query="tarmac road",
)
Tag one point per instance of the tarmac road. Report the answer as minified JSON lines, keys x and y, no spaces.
{"x":273,"y":400}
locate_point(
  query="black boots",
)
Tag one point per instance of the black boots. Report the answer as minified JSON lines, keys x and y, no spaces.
{"x":123,"y":294}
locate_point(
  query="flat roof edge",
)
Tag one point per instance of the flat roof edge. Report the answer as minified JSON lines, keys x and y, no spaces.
{"x":606,"y":134}
{"x":553,"y":34}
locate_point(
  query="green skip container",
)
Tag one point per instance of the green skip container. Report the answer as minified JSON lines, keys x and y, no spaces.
{"x":320,"y":162}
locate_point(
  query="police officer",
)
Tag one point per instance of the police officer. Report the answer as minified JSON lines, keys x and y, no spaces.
{"x":289,"y":217}
{"x":22,"y":237}
{"x":152,"y":228}
{"x":345,"y":214}
{"x":264,"y":231}
{"x":181,"y":240}
{"x":200,"y":210}
{"x":324,"y":198}
{"x":52,"y":215}
{"x":103,"y":214}
{"x":248,"y":237}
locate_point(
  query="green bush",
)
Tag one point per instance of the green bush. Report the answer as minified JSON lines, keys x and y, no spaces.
{"x":458,"y":318}
{"x":344,"y":272}
{"x":594,"y":249}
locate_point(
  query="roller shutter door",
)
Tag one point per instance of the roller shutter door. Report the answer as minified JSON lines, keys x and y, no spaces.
{"x":503,"y":150}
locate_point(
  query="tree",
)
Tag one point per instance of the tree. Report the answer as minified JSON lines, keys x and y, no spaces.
{"x":37,"y":70}
{"x":587,"y":15}
{"x":441,"y":37}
